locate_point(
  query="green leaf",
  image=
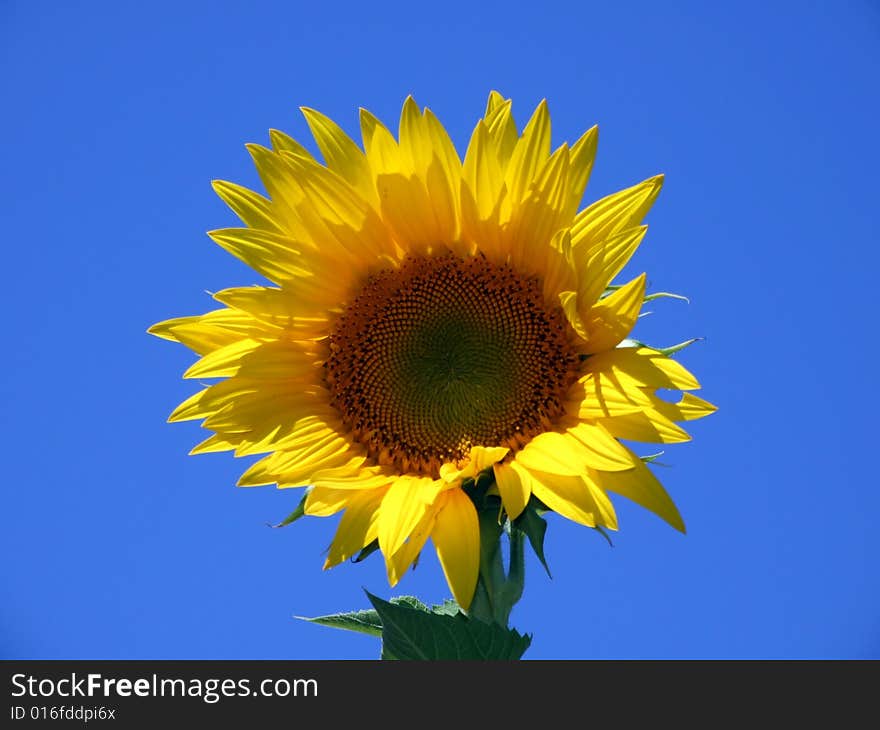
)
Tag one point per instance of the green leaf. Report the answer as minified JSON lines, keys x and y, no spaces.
{"x":295,"y":515}
{"x":448,"y":608}
{"x":413,"y":634}
{"x":363,"y":622}
{"x":368,"y":621}
{"x":410,"y":602}
{"x":534,"y":526}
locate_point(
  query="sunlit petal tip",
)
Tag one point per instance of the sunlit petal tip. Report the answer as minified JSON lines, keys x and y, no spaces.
{"x":514,"y":487}
{"x":161,"y":330}
{"x":495,"y":100}
{"x":450,"y":473}
{"x":252,"y":480}
{"x":456,"y":537}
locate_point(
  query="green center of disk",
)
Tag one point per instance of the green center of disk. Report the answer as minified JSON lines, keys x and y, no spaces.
{"x":443,"y":354}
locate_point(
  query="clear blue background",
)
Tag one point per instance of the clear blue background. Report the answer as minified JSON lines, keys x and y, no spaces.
{"x":116,"y":544}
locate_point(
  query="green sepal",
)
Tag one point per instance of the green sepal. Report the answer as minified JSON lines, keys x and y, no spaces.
{"x":601,"y":530}
{"x":609,"y":290}
{"x":366,"y":552}
{"x":679,"y":347}
{"x":671,"y":350}
{"x":652,"y":459}
{"x":413,"y":634}
{"x":665,"y":295}
{"x":534,"y":527}
{"x":300,"y":511}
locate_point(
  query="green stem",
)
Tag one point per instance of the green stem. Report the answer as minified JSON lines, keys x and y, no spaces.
{"x":497,"y":590}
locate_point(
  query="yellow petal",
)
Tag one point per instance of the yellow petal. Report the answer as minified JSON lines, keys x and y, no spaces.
{"x":213,"y":444}
{"x":223,"y":362}
{"x":211,"y":399}
{"x":351,"y":475}
{"x":615,"y":213}
{"x":231,"y":402}
{"x":208,"y":332}
{"x":342,"y":155}
{"x":355,"y":528}
{"x":642,"y":487}
{"x":514,"y":486}
{"x":254,"y":359}
{"x":612,"y":319}
{"x":568,"y":300}
{"x":502,"y":131}
{"x":281,"y":184}
{"x":553,"y":453}
{"x":456,"y":537}
{"x":362,"y":479}
{"x":559,"y":270}
{"x":276,"y":429}
{"x":532,"y":149}
{"x":279,"y":307}
{"x":647,"y":425}
{"x":276,"y":256}
{"x":398,"y":563}
{"x":323,"y":502}
{"x":254,"y":210}
{"x":403,"y":506}
{"x":259,"y":415}
{"x":494,"y":101}
{"x":583,"y":154}
{"x":407,"y":209}
{"x":429,"y":160}
{"x":381,"y":148}
{"x":289,"y":433}
{"x":415,"y":147}
{"x":539,"y":216}
{"x":597,"y":448}
{"x":295,"y":468}
{"x":281,"y":142}
{"x":333,"y":212}
{"x":576,"y":498}
{"x":331,"y":451}
{"x":600,"y":264}
{"x":601,"y":397}
{"x":481,"y":172}
{"x":645,"y":366}
{"x":444,"y":197}
{"x":689,"y":408}
{"x":480,"y":457}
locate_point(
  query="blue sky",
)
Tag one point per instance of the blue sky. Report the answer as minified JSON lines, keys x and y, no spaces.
{"x":763,"y":116}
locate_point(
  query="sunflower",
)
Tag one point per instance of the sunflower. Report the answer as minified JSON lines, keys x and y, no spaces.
{"x":432,"y":319}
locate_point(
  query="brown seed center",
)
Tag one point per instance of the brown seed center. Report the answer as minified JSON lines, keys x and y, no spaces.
{"x":443,"y":354}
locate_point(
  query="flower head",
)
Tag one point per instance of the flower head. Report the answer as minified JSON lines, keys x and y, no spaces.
{"x":431,"y":319}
